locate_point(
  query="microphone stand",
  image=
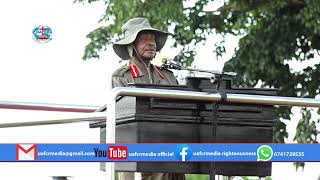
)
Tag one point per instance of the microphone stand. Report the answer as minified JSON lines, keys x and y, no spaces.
{"x":215,"y":75}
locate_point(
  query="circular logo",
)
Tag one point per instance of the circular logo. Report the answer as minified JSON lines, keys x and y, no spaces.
{"x":42,"y":34}
{"x":264,"y":153}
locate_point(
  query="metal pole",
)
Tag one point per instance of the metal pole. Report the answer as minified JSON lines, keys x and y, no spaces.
{"x":190,"y":95}
{"x":215,"y":97}
{"x":111,"y":129}
{"x":98,"y":116}
{"x":209,"y":71}
{"x":272,"y":100}
{"x":171,"y":65}
{"x":47,"y":106}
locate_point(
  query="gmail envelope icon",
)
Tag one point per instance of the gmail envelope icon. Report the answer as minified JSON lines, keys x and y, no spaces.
{"x":26,"y":152}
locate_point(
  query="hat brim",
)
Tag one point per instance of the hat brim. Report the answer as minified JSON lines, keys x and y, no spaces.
{"x":120,"y":47}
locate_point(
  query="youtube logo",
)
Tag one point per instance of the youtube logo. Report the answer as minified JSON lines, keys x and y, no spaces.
{"x":118,"y":152}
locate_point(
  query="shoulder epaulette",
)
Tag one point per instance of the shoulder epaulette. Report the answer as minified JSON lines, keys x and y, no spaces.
{"x":121,"y":70}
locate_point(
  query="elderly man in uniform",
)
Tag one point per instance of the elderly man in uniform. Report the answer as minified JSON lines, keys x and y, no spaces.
{"x":139,"y":46}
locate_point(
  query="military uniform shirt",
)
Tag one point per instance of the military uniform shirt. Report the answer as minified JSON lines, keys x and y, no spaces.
{"x":137,"y":72}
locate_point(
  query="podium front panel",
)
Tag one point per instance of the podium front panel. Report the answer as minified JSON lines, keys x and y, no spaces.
{"x":153,"y":120}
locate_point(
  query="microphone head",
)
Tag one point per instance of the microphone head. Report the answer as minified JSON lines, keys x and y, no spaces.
{"x":170,"y":65}
{"x":167,"y":64}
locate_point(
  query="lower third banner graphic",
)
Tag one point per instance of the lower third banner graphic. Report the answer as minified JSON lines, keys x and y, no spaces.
{"x":159,"y":152}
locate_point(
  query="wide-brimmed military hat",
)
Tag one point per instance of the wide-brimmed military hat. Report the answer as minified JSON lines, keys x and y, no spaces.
{"x":131,"y":30}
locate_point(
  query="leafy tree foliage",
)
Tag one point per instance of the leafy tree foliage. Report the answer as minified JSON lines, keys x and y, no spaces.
{"x":272,"y":33}
{"x":275,"y":33}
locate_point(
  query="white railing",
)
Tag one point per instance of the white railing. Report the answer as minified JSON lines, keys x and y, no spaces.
{"x":162,"y":93}
{"x":190,"y":95}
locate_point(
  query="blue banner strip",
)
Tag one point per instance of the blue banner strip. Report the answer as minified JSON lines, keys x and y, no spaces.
{"x":159,"y":152}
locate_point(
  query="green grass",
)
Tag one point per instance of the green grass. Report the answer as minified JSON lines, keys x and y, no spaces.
{"x":206,"y":177}
{"x":197,"y":177}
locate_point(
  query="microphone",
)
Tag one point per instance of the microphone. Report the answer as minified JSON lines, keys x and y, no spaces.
{"x":172,"y":64}
{"x":168,"y":64}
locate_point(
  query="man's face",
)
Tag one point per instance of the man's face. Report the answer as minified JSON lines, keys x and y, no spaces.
{"x":145,"y":45}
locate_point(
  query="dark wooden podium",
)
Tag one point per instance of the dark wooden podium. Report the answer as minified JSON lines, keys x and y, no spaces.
{"x":153,"y":120}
